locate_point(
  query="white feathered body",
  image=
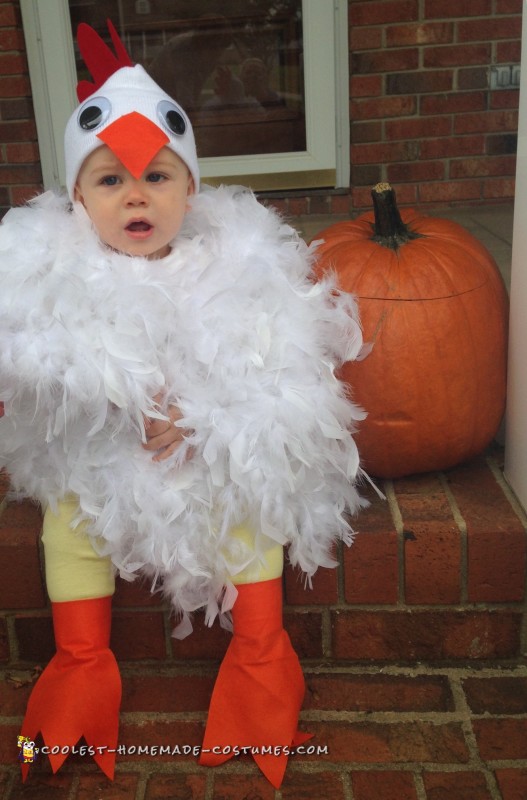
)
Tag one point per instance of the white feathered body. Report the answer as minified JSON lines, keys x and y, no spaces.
{"x":232,"y":328}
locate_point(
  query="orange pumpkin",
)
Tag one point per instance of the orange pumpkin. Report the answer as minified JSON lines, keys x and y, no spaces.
{"x":434,"y":305}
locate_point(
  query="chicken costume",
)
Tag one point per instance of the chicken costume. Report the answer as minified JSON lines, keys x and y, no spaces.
{"x":231,"y":328}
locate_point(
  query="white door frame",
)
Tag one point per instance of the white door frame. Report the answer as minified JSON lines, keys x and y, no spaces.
{"x":516,"y":417}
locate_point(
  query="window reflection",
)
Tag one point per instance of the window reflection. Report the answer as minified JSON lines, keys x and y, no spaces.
{"x":236,"y":67}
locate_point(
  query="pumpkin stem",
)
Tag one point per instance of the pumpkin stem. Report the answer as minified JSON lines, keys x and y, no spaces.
{"x":389,"y":230}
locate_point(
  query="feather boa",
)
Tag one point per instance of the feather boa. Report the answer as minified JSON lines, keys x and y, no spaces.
{"x":234,"y":330}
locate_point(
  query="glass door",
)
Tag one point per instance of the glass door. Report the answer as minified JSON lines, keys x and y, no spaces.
{"x":258,"y":78}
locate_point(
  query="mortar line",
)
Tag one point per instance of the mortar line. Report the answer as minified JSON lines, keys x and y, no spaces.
{"x":397,"y":518}
{"x":462,"y":526}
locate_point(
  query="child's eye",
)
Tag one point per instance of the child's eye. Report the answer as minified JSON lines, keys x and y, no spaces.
{"x":110,"y":180}
{"x":155,"y":177}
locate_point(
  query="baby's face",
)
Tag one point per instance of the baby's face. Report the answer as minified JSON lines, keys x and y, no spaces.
{"x":135,"y":216}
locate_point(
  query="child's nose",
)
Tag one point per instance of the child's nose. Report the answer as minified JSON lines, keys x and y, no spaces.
{"x":136,"y":194}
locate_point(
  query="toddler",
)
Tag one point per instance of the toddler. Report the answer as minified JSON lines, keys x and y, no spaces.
{"x":139,"y":310}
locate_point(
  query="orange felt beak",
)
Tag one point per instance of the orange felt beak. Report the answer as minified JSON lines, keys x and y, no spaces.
{"x":135,"y":140}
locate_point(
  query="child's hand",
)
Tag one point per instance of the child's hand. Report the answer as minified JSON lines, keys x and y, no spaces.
{"x":162,"y":436}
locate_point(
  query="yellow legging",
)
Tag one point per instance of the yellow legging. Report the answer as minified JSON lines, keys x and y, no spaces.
{"x":75,"y":571}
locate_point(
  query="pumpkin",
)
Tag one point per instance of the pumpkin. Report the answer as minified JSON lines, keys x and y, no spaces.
{"x":434,"y":307}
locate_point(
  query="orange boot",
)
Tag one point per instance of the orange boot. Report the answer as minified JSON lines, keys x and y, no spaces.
{"x":260,"y":686}
{"x":79,"y":692}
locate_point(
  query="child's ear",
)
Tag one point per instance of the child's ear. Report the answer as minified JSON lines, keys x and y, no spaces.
{"x":191,"y":189}
{"x":77,"y":196}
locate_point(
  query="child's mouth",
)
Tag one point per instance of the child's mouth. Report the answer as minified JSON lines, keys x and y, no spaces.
{"x":139,"y":227}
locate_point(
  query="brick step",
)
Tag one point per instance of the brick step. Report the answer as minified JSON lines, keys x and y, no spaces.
{"x":403,"y":733}
{"x":437,"y":573}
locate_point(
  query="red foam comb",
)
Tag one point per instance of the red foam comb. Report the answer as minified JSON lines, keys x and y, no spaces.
{"x":98,"y":57}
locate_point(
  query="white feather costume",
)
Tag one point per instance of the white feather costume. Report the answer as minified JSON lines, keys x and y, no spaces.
{"x":234,"y":330}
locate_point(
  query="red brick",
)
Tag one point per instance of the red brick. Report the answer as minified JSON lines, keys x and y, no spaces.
{"x":365,"y":86}
{"x":166,"y":693}
{"x":457,"y":55}
{"x":23,"y":153}
{"x":489,"y":122}
{"x":4,"y":641}
{"x":176,"y":787}
{"x":499,"y":188}
{"x":456,"y":786}
{"x":416,"y":172}
{"x":504,"y":99}
{"x":370,"y":693}
{"x":508,"y":52}
{"x":453,"y":103}
{"x":499,"y":739}
{"x":426,"y":635}
{"x":432,"y":555}
{"x":12,"y":64}
{"x":418,"y":128}
{"x":362,"y":38}
{"x":473,"y":78}
{"x":503,"y":695}
{"x":384,"y":153}
{"x":203,"y":643}
{"x":324,"y":589}
{"x":15,"y":86}
{"x":496,"y":573}
{"x":435,"y":9}
{"x":298,"y":206}
{"x":370,"y":566}
{"x":21,"y":173}
{"x":21,"y":194}
{"x":297,"y":786}
{"x":432,"y":542}
{"x":383,"y":785}
{"x":341,"y":204}
{"x":97,"y":786}
{"x":389,"y":743}
{"x":8,"y":16}
{"x":508,"y":6}
{"x":473,"y":167}
{"x":159,"y":733}
{"x":496,"y":566}
{"x":41,"y":786}
{"x":368,"y":13}
{"x":398,"y":106}
{"x":15,"y":688}
{"x":385,"y":60}
{"x":419,"y":33}
{"x":487,"y":30}
{"x":243,"y":787}
{"x":450,"y":147}
{"x":512,"y":783}
{"x":138,"y":635}
{"x":135,"y":593}
{"x":449,"y":191}
{"x":19,"y":131}
{"x":11,"y":39}
{"x":305,"y":630}
{"x":22,"y":584}
{"x":35,"y":640}
{"x":420,"y":81}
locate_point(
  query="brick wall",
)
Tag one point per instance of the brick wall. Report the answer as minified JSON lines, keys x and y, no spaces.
{"x":437,"y":573}
{"x":20,"y":173}
{"x":422,"y":113}
{"x":423,"y":116}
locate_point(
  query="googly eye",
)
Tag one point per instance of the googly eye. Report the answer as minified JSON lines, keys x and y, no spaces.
{"x":171,"y":117}
{"x":94,"y":112}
